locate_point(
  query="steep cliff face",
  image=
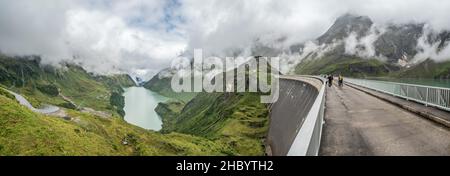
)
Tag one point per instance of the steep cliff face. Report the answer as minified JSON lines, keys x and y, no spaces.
{"x":344,"y":26}
{"x":399,"y":42}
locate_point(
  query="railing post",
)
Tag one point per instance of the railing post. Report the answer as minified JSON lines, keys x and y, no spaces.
{"x":417,"y":93}
{"x":406,"y":94}
{"x":426,"y":98}
{"x":439,"y":97}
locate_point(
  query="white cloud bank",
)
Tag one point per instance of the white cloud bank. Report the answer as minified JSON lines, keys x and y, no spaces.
{"x":142,"y":37}
{"x":429,"y":49}
{"x":101,"y":37}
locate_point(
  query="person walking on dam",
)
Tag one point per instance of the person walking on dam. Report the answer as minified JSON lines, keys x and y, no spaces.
{"x":341,"y":81}
{"x":330,"y":80}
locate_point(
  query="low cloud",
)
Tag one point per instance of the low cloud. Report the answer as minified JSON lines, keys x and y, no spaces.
{"x":104,"y":37}
{"x":103,"y":41}
{"x":429,"y":49}
{"x":364,"y":46}
{"x":142,"y":37}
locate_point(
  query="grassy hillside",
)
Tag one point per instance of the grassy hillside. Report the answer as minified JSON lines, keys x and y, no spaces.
{"x":116,"y":81}
{"x":209,"y":124}
{"x":237,"y":120}
{"x":6,"y":94}
{"x":427,"y":69}
{"x":62,"y":86}
{"x":169,"y":111}
{"x":23,"y":132}
{"x":162,"y":86}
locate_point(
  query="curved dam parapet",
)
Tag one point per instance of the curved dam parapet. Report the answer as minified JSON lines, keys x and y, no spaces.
{"x":296,"y":117}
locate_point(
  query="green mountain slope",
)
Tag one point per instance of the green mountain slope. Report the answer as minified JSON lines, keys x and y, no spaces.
{"x":162,"y":86}
{"x":357,"y":67}
{"x":237,"y":120}
{"x":116,"y":81}
{"x":212,"y":124}
{"x":346,"y":65}
{"x":70,"y":86}
{"x":427,"y":69}
{"x":23,"y":132}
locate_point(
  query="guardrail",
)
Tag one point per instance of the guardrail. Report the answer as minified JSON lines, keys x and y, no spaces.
{"x":428,"y":95}
{"x":307,"y":140}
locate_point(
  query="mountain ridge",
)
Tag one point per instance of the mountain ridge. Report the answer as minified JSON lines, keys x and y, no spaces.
{"x":357,"y":37}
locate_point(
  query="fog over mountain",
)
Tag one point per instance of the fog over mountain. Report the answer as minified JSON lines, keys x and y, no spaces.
{"x":142,"y":37}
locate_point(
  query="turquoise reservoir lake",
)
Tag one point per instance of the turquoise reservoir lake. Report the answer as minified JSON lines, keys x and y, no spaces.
{"x":426,"y":82}
{"x":140,"y":104}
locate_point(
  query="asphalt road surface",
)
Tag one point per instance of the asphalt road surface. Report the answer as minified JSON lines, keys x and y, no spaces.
{"x":359,"y":124}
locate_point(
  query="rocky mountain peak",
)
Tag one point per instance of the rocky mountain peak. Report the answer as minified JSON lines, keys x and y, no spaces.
{"x":344,"y":26}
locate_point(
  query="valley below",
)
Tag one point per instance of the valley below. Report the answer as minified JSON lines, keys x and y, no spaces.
{"x":109,"y":115}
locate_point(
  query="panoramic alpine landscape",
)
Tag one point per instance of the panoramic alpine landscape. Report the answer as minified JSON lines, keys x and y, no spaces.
{"x":95,"y":78}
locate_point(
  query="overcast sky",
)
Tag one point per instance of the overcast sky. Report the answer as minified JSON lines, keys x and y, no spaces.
{"x":143,"y":36}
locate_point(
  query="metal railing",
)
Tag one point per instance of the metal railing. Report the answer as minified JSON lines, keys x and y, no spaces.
{"x":307,"y":141}
{"x":428,"y":95}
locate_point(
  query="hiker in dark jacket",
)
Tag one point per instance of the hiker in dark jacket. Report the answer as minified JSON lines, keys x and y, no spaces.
{"x":330,"y":80}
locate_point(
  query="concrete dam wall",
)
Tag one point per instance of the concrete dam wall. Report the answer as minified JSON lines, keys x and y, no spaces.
{"x":296,"y":97}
